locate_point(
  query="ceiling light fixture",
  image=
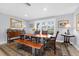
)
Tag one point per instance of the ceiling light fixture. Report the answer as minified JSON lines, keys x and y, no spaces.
{"x":45,"y":9}
{"x":26,"y":15}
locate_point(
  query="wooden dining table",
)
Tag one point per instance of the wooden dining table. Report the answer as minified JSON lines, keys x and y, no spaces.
{"x":41,"y":36}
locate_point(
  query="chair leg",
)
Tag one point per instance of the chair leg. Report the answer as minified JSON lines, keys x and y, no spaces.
{"x":55,"y":51}
{"x":54,"y":48}
{"x":41,"y":51}
{"x":33,"y":51}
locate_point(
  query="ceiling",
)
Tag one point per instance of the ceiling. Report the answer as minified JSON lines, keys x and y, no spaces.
{"x":37,"y":10}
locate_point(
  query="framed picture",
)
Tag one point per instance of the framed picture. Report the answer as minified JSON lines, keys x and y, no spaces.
{"x":77,"y":22}
{"x":15,"y":23}
{"x":62,"y":23}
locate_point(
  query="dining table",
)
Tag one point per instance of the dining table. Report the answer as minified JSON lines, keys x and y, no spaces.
{"x":67,"y":37}
{"x":41,"y":36}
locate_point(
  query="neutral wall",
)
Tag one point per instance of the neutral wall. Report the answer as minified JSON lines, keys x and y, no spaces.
{"x":76,"y":41}
{"x":4,"y":24}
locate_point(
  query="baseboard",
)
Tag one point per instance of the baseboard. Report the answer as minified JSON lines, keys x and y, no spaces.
{"x":75,"y":45}
{"x":4,"y":42}
{"x":59,"y":40}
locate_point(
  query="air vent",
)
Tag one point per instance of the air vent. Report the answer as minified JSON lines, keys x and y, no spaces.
{"x":28,"y":4}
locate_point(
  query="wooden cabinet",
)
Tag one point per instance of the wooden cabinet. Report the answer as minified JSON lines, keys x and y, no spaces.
{"x":13,"y":34}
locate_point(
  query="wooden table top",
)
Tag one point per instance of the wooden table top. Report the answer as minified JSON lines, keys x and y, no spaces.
{"x":68,"y":35}
{"x":39,"y":35}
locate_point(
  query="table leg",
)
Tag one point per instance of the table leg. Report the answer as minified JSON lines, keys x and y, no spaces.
{"x":30,"y":38}
{"x":24,"y":36}
{"x":37,"y":40}
{"x":41,"y":40}
{"x":33,"y":51}
{"x":68,"y":39}
{"x":65,"y":39}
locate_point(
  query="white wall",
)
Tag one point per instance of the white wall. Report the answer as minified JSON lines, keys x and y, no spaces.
{"x":4,"y":24}
{"x":76,"y":40}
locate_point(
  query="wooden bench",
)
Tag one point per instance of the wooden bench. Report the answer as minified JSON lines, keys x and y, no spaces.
{"x":31,"y":44}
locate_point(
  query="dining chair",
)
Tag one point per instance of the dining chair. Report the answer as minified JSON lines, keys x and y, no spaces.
{"x":45,"y":32}
{"x":37,"y":32}
{"x":35,"y":39}
{"x":52,"y":42}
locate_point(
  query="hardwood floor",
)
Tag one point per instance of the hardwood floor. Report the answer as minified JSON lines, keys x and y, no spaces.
{"x":62,"y":50}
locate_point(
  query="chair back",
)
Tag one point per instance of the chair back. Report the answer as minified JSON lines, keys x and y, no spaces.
{"x":56,"y":34}
{"x":37,"y":32}
{"x":44,"y":32}
{"x":53,"y":42}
